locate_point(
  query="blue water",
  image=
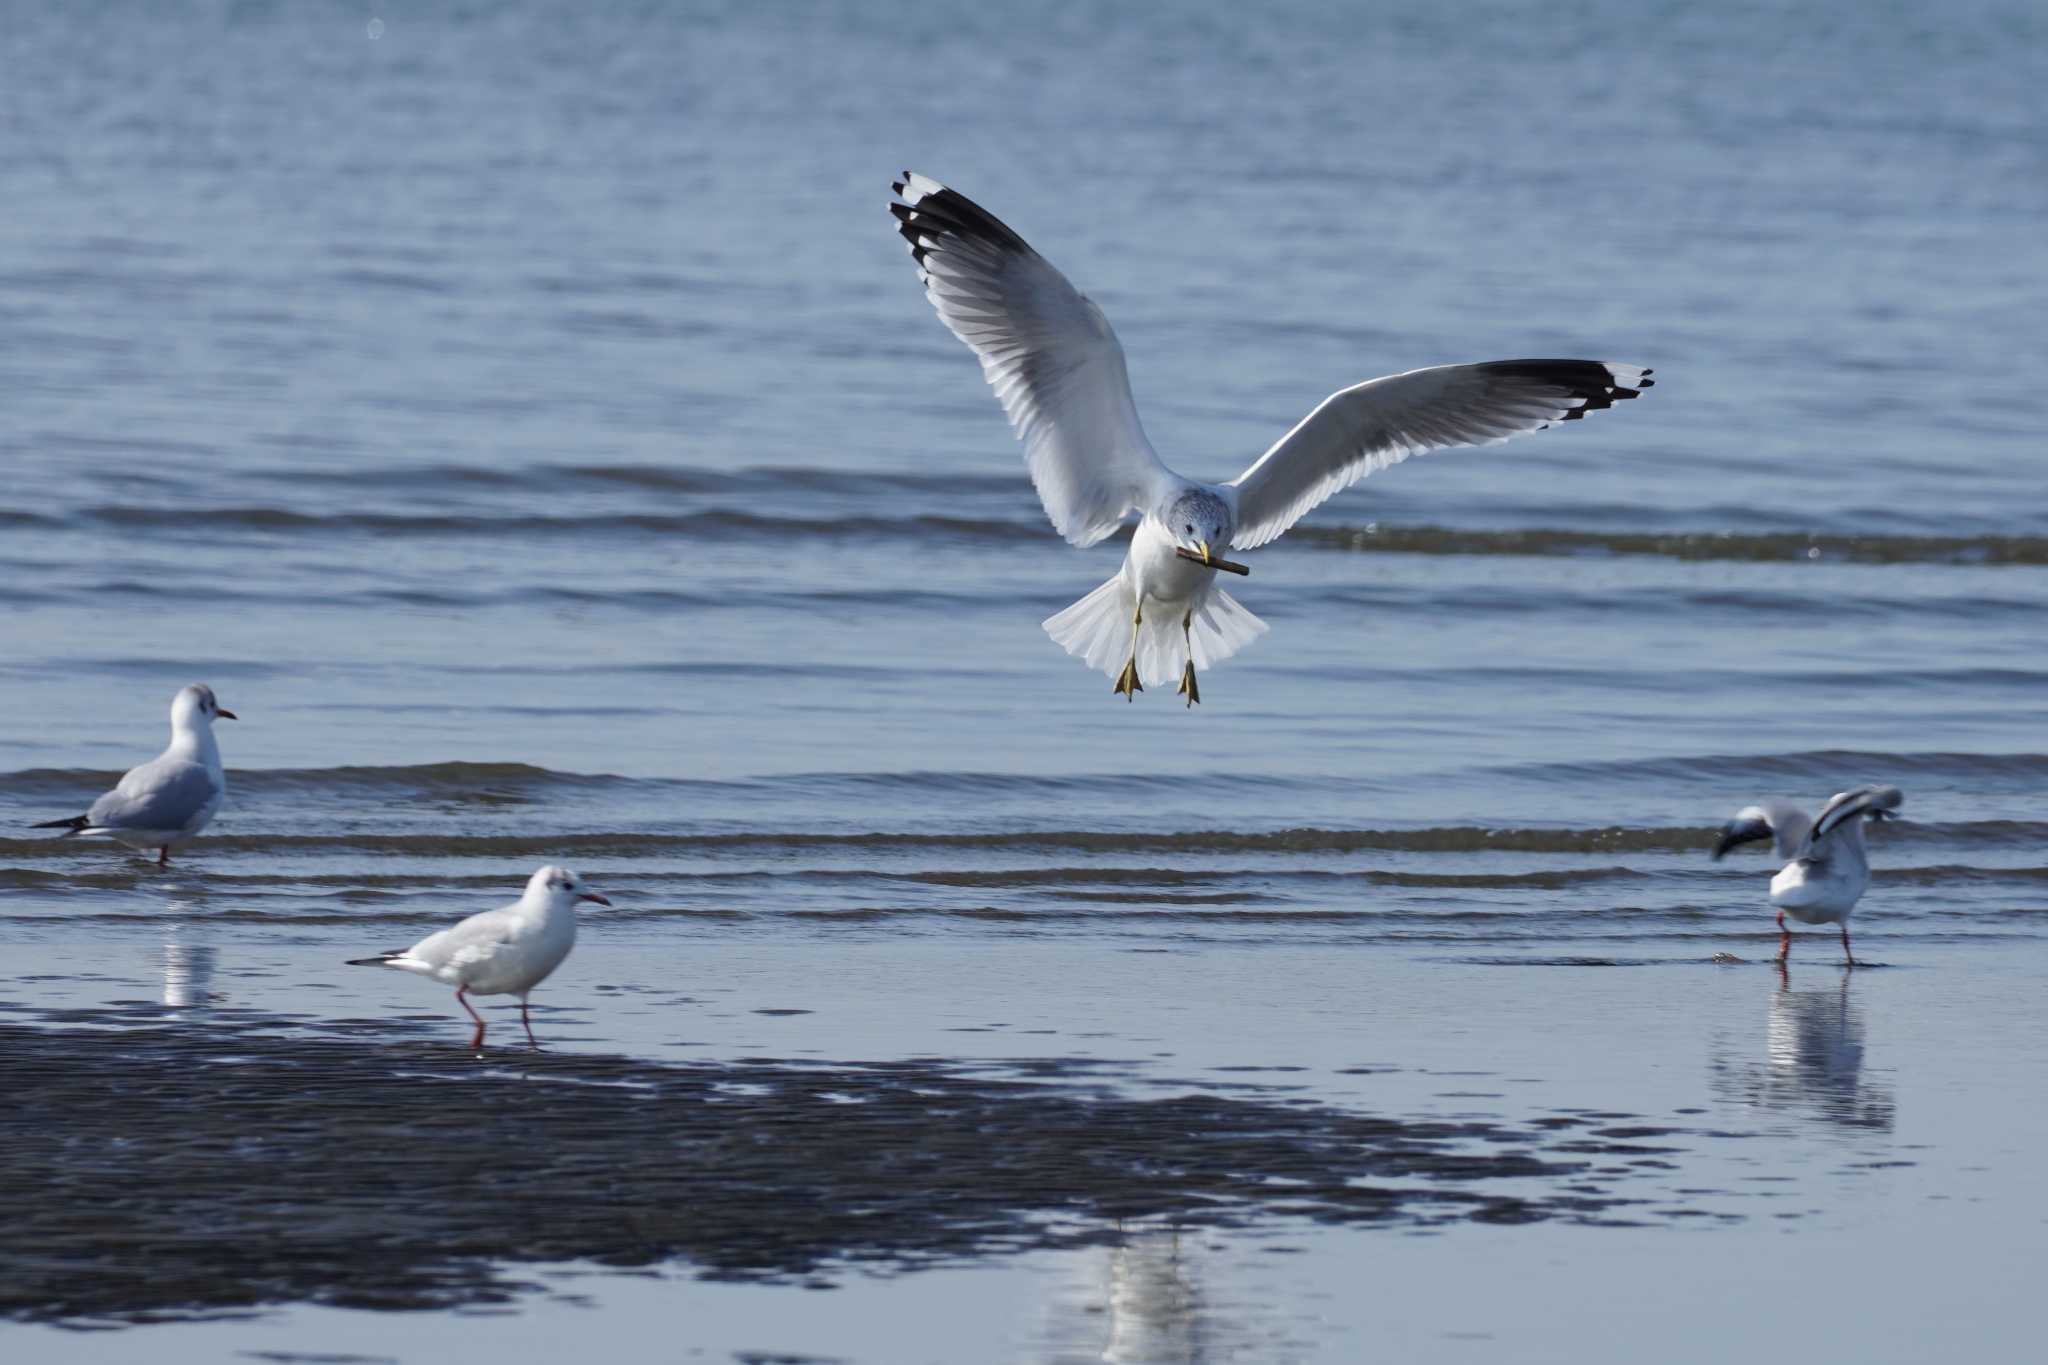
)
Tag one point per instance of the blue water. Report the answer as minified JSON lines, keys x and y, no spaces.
{"x":526,"y":418}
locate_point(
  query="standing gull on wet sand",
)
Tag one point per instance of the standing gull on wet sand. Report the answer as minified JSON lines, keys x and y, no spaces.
{"x":1058,"y":369}
{"x":169,"y":799}
{"x":507,"y":951}
{"x":1826,"y":870}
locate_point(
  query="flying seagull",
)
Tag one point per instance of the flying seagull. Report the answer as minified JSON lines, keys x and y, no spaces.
{"x":1825,"y":869}
{"x":1056,"y":365}
{"x":507,"y":951}
{"x":169,"y":799}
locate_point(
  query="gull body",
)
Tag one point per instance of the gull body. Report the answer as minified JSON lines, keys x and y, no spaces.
{"x":167,"y":801}
{"x":507,"y":951}
{"x":1827,"y":867}
{"x":1058,"y":370}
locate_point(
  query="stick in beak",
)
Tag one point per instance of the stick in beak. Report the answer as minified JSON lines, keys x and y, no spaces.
{"x":1210,"y":560}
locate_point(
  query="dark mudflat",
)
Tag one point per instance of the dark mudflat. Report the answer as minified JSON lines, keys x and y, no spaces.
{"x":156,"y":1167}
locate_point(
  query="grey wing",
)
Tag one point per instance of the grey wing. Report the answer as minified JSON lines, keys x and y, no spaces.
{"x":475,"y":939}
{"x":165,"y":794}
{"x":1381,"y":422}
{"x":1843,"y":807}
{"x":1785,"y":824}
{"x":1046,"y":350}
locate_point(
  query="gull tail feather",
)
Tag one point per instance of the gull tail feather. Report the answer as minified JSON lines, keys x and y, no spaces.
{"x":1097,"y":630}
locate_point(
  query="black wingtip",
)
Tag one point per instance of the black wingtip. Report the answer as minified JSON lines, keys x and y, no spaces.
{"x":1739,"y":832}
{"x":375,"y":961}
{"x":70,"y":826}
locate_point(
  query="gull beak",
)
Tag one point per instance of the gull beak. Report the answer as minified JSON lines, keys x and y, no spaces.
{"x":1203,"y":545}
{"x":222,"y":713}
{"x":593,"y":896}
{"x":1209,"y":560}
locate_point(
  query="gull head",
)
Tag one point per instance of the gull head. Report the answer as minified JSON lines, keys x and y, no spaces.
{"x":1200,"y":521}
{"x":560,"y":886}
{"x":195,"y":706}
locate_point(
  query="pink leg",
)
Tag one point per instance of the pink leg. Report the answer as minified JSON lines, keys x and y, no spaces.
{"x":163,"y":856}
{"x":528,"y":1022}
{"x":1845,"y":944}
{"x":1784,"y":938}
{"x":462,"y":999}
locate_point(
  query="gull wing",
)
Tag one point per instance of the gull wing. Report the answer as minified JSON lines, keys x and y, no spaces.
{"x":164,"y":794}
{"x":1047,"y":351}
{"x":476,"y":939}
{"x":1381,"y":422}
{"x":1843,"y":807}
{"x":1783,"y":823}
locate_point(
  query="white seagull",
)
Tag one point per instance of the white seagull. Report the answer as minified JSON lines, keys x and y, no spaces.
{"x":169,"y":799}
{"x":507,"y":951}
{"x":1056,"y":365}
{"x":1825,"y":871}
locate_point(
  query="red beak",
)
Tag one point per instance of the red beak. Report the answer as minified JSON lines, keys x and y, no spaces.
{"x":222,"y":713}
{"x":593,"y":896}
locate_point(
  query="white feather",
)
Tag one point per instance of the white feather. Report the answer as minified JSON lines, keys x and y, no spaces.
{"x":1047,"y":351}
{"x":1367,"y":427}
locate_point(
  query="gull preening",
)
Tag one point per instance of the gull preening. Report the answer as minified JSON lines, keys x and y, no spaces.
{"x":1825,"y":869}
{"x":507,"y":951}
{"x":169,"y":799}
{"x":1055,"y":364}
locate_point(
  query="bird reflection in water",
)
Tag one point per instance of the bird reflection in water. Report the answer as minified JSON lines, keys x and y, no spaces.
{"x":1813,"y":1063}
{"x":188,"y":974}
{"x":1154,"y":1301}
{"x":1138,"y":1301}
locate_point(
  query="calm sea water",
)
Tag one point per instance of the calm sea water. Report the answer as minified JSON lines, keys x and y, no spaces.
{"x":526,"y":418}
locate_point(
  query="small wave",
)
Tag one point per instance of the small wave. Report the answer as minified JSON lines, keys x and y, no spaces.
{"x":1829,"y":769}
{"x":1693,"y":545}
{"x":713,"y":525}
{"x":1686,"y":839}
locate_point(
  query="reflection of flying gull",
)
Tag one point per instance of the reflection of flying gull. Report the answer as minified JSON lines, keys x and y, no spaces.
{"x":500,"y":952}
{"x":170,"y":798}
{"x":1058,"y":369}
{"x":1826,"y":870}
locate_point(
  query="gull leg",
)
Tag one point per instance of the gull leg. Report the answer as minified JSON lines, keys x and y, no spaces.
{"x":1187,"y":676}
{"x":1127,"y":684}
{"x":528,"y":1022}
{"x":1784,"y":938}
{"x":462,"y":999}
{"x":1845,"y":944}
{"x":163,"y":856}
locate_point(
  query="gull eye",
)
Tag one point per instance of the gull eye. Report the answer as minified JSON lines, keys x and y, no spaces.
{"x":1189,"y":529}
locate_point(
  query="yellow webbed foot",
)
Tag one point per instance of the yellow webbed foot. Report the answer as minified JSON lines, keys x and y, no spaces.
{"x":1187,"y":684}
{"x":1127,"y":683}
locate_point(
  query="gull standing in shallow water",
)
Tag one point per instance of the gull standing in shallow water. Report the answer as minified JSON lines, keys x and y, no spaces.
{"x":169,"y":799}
{"x":500,"y":952}
{"x":1056,"y":365}
{"x":1826,"y":870}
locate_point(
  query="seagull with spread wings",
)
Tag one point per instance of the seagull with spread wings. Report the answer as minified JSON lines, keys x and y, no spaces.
{"x":1826,"y":869}
{"x":1055,"y":364}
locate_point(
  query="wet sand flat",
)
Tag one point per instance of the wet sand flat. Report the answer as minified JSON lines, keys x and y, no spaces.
{"x":186,"y":1160}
